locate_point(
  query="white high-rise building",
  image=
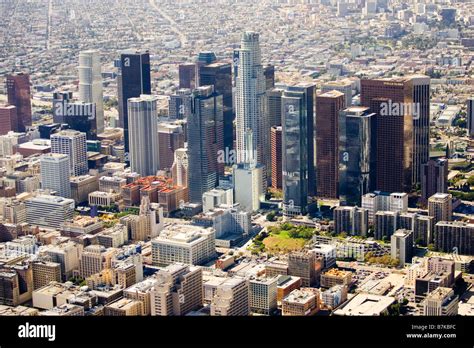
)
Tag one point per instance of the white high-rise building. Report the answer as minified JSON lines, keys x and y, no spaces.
{"x":143,"y":134}
{"x":49,"y":211}
{"x":55,"y":174}
{"x":90,"y":84}
{"x":250,"y":103}
{"x":73,"y":144}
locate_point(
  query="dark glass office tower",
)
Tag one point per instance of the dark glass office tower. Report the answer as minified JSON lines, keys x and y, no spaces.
{"x":135,"y":81}
{"x":297,"y":151}
{"x":219,"y":75}
{"x":328,"y":106}
{"x":60,"y":100}
{"x":19,"y":95}
{"x":356,"y":154}
{"x":187,"y":76}
{"x":207,"y":57}
{"x":205,"y":126}
{"x":269,"y":72}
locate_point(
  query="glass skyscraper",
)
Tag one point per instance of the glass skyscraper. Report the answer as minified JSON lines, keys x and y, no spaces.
{"x":298,"y":150}
{"x":135,"y":80}
{"x":205,"y":128}
{"x":356,"y":154}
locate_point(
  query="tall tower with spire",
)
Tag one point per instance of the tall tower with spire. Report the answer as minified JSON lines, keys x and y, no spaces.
{"x":250,"y":103}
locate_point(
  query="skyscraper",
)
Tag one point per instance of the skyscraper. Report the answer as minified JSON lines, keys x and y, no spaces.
{"x":298,"y":151}
{"x":187,"y":76}
{"x":470,"y":117}
{"x":434,"y":179}
{"x":143,"y":135}
{"x":8,"y":119}
{"x":135,"y":80}
{"x":276,"y":154}
{"x":90,"y":85}
{"x":274,"y":106}
{"x":205,"y":140}
{"x":402,"y":108}
{"x":180,"y":104}
{"x":55,"y":174}
{"x":170,"y":138}
{"x":19,"y":95}
{"x":219,"y":75}
{"x":250,"y":102}
{"x":328,"y":106}
{"x":440,"y":206}
{"x":269,"y":73}
{"x":356,"y":154}
{"x":73,"y":144}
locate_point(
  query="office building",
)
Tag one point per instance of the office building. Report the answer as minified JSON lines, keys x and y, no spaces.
{"x":470,"y":117}
{"x":94,"y":259}
{"x":48,"y":211}
{"x":423,"y":229}
{"x":335,"y":277}
{"x":205,"y":142}
{"x":177,"y":291}
{"x":263,"y":295}
{"x":187,"y":76}
{"x":45,"y":272}
{"x":304,"y":265}
{"x":9,"y":287}
{"x":269,"y":73}
{"x":143,"y":135}
{"x":170,"y":138}
{"x":434,"y":179}
{"x":298,"y":148}
{"x":351,"y":220}
{"x":67,"y":255}
{"x":250,"y":104}
{"x":327,"y":254}
{"x":328,"y":106}
{"x":440,"y":302}
{"x":124,"y":307}
{"x":73,"y":144}
{"x":219,"y":75}
{"x":454,"y":237}
{"x":357,"y":153}
{"x":402,"y":106}
{"x":19,"y":95}
{"x":343,"y":86}
{"x":187,"y":244}
{"x":179,"y":169}
{"x":217,"y":197}
{"x":274,"y":106}
{"x":301,"y":302}
{"x":401,"y":246}
{"x":90,"y":85}
{"x":385,"y":224}
{"x":55,"y":174}
{"x":382,"y":201}
{"x":231,"y":298}
{"x":8,"y":119}
{"x":335,"y":296}
{"x":180,"y":104}
{"x":276,"y":151}
{"x":134,"y":80}
{"x":248,"y":186}
{"x":440,"y":206}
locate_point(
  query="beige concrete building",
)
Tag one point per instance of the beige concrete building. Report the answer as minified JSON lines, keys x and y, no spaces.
{"x":334,"y":277}
{"x":178,"y":290}
{"x":45,"y":272}
{"x":94,"y":259}
{"x":302,"y":302}
{"x":231,"y":298}
{"x":440,"y":206}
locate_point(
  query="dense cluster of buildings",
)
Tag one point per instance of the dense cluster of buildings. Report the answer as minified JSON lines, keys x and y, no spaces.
{"x":132,"y":181}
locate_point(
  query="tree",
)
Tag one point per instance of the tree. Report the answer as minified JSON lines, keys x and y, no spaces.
{"x":431,"y":247}
{"x":271,"y":216}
